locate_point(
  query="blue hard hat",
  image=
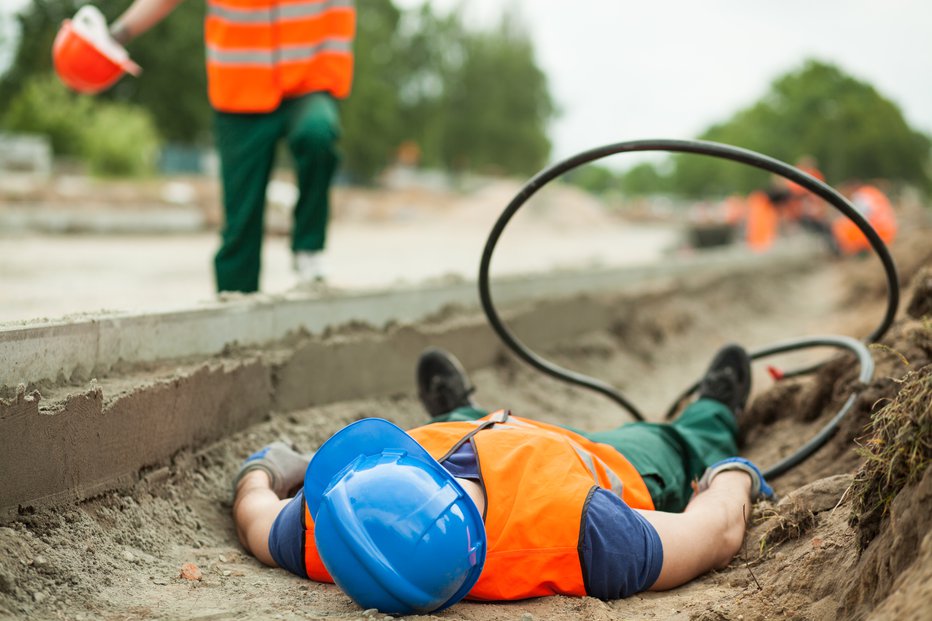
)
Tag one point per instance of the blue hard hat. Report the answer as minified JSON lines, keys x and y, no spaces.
{"x":394,"y":528}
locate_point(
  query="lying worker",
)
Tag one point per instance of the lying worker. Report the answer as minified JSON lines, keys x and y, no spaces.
{"x":497,"y":507}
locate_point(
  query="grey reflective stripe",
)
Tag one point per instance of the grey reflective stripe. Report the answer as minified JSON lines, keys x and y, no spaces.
{"x":304,"y":52}
{"x":265,"y":15}
{"x":617,"y":486}
{"x":240,"y":16}
{"x":589,"y":459}
{"x":240,"y":57}
{"x":311,"y":9}
{"x":270,"y":57}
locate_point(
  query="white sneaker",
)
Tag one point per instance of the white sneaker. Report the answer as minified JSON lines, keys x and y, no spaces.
{"x":310,"y":266}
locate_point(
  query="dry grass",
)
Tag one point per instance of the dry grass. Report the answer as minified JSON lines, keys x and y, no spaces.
{"x":783,"y":523}
{"x":897,"y":452}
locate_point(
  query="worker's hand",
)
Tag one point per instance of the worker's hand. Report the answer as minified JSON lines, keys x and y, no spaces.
{"x":92,"y":25}
{"x":759,"y":487}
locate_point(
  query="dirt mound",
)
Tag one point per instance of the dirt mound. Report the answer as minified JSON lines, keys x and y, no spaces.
{"x":853,"y":547}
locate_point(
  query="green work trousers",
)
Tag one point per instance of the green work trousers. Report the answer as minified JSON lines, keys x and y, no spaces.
{"x":247,"y":144}
{"x":669,"y":456}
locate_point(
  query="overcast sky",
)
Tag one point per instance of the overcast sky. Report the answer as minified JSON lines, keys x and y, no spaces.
{"x":668,"y":69}
{"x":622,"y":70}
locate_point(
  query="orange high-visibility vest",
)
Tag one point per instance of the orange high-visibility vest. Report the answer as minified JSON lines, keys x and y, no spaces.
{"x":877,"y":211}
{"x":537,"y":479}
{"x":762,"y":220}
{"x":262,"y":51}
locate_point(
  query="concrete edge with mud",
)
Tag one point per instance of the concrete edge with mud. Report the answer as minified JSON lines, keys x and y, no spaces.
{"x":97,"y":403}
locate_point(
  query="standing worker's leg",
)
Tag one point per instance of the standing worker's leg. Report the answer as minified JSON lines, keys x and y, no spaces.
{"x":313,"y":130}
{"x":246,"y":144}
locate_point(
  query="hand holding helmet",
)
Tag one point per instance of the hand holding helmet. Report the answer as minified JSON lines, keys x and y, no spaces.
{"x":87,"y":59}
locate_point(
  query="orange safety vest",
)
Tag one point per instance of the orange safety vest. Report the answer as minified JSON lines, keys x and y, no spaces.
{"x":262,"y":51}
{"x":762,"y":220}
{"x":879,"y":214}
{"x":537,"y":479}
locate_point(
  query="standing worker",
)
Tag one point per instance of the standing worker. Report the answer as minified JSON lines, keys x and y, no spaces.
{"x":275,"y":69}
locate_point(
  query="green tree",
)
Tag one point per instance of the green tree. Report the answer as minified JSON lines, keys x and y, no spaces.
{"x":370,"y":115}
{"x":851,"y":129}
{"x":112,"y":137}
{"x":593,"y":178}
{"x":643,"y":179}
{"x":497,"y":104}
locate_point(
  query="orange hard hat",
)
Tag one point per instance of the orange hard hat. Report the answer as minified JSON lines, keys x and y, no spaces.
{"x":86,"y":58}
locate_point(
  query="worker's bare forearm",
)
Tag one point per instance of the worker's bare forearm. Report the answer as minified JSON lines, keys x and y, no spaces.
{"x":727,"y":504}
{"x":707,"y":534}
{"x":140,"y":17}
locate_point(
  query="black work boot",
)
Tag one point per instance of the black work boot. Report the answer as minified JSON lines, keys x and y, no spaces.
{"x":442,"y":384}
{"x":728,"y":379}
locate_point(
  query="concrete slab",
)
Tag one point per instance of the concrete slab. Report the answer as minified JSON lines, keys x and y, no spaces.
{"x":77,"y":349}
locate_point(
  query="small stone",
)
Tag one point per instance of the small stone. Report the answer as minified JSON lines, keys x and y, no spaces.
{"x":160,"y":581}
{"x":190,"y":571}
{"x":128,"y":556}
{"x":223,"y":558}
{"x":38,"y":596}
{"x":527,"y":617}
{"x":227,"y":572}
{"x":370,"y":612}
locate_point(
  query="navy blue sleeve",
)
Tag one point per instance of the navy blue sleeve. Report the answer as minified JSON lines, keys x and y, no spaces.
{"x":463,"y":463}
{"x":620,"y":551}
{"x":286,"y":539}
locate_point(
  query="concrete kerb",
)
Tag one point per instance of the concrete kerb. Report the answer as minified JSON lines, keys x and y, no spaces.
{"x":89,"y":442}
{"x":78,"y":348}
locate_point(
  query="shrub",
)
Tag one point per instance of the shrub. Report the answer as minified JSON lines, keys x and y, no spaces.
{"x":112,"y":138}
{"x":45,"y":106}
{"x":120,"y":140}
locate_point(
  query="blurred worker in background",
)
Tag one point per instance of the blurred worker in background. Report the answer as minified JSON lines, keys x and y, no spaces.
{"x":762,"y":221}
{"x":874,"y":205}
{"x":805,"y":208}
{"x":275,"y":69}
{"x":498,"y":507}
{"x":787,"y":206}
{"x":800,"y":205}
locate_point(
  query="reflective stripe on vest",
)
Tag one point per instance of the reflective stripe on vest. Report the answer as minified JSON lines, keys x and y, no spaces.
{"x":262,"y":51}
{"x":537,"y":479}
